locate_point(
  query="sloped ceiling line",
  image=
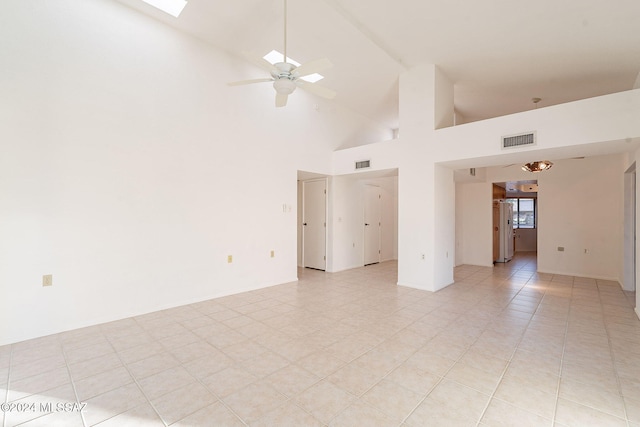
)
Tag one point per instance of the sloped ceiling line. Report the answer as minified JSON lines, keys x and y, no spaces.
{"x":365,"y":32}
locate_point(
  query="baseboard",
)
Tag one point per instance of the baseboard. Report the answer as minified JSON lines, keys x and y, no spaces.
{"x":344,"y":269}
{"x":474,"y":265}
{"x":564,"y":273}
{"x":422,"y":288}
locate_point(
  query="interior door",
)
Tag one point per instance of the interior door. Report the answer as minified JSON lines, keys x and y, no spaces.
{"x":372,"y":222}
{"x":314,"y":224}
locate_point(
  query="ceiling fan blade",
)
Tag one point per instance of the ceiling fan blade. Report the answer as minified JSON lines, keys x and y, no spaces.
{"x":248,"y":82}
{"x":312,"y":67}
{"x":317,"y":89}
{"x":259,"y":61}
{"x":281,"y":100}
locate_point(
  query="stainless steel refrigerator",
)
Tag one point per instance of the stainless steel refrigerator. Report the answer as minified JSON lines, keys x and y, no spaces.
{"x":506,"y":232}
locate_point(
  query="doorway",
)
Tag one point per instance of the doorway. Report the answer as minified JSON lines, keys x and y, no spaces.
{"x":523,"y":195}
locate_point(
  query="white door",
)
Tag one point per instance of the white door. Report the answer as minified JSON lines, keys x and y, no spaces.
{"x":371,"y":224}
{"x":314,"y":224}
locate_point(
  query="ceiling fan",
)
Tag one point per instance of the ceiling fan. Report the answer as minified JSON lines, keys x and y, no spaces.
{"x":286,"y":77}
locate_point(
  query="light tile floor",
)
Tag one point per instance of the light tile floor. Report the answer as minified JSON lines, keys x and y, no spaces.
{"x":502,"y":346}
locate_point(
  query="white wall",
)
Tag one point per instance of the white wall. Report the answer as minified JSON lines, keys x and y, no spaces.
{"x":474,"y":224}
{"x":347,"y":219}
{"x":580,"y":206}
{"x":129,"y":170}
{"x":383,"y":155}
{"x":444,"y":227}
{"x":588,"y":121}
{"x":526,"y":239}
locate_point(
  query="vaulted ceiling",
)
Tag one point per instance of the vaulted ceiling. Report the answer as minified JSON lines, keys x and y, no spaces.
{"x":499,"y":54}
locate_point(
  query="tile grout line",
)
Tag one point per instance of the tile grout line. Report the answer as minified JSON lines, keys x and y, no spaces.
{"x":66,"y":366}
{"x":291,"y":362}
{"x":6,"y":397}
{"x":564,"y":347}
{"x":135,"y":380}
{"x":181,"y":364}
{"x":200,"y":381}
{"x":356,"y":397}
{"x":220,"y":399}
{"x":73,"y":385}
{"x":506,"y":368}
{"x":454,"y":364}
{"x":613,"y":359}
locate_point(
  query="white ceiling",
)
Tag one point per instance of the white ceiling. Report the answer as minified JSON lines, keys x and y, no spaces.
{"x":498,"y":53}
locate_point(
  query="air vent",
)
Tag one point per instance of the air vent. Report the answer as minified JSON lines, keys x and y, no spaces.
{"x":514,"y":141}
{"x":363,"y":164}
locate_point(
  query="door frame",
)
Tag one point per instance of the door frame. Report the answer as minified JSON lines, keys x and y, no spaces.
{"x":629,"y":252}
{"x":367,"y":188}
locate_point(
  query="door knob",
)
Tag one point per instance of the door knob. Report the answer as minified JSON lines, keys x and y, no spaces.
{"x":366,"y":223}
{"x":304,"y":223}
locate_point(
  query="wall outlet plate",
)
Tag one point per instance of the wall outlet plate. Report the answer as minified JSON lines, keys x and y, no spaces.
{"x":47,"y":280}
{"x":229,"y":259}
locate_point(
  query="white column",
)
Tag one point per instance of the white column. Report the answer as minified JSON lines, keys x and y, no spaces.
{"x":426,"y":191}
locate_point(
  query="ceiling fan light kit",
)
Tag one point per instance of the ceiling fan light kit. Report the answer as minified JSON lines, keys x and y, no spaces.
{"x":284,"y":86}
{"x":286,"y":77}
{"x":538,"y":166}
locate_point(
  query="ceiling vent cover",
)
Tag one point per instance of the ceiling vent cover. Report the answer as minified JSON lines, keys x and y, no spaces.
{"x":363,"y":164}
{"x":515,"y":141}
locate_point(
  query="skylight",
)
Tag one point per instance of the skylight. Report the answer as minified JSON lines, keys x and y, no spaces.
{"x":172,"y":7}
{"x":274,"y":57}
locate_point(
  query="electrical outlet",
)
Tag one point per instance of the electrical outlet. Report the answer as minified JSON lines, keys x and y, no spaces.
{"x":229,"y":259}
{"x":422,"y":256}
{"x":47,"y":280}
{"x":273,"y":254}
